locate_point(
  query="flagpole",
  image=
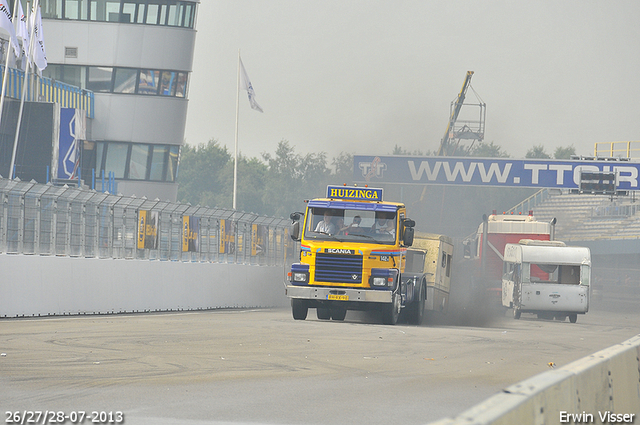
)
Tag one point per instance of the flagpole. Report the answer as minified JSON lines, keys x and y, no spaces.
{"x":24,"y":89}
{"x":6,"y":65}
{"x":235,"y":152}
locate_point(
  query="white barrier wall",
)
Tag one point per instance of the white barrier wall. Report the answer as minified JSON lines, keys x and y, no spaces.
{"x":595,"y":387}
{"x":32,"y":285}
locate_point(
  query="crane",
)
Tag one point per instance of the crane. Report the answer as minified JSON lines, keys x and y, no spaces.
{"x":467,"y":130}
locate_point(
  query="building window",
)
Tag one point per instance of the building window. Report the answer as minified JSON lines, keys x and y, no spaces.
{"x":141,"y":14}
{"x":135,"y":161}
{"x":99,"y":79}
{"x":158,"y":161}
{"x":76,"y":9}
{"x":115,"y":159}
{"x":125,"y":80}
{"x":148,"y":82}
{"x":178,"y":13}
{"x":139,"y":162}
{"x":168,"y":83}
{"x":102,"y":79}
{"x":181,"y":88}
{"x":172,"y":169}
{"x":128,"y":14}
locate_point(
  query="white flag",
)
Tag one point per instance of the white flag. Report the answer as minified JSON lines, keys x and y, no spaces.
{"x":39,"y":55}
{"x":246,"y":85}
{"x":22,"y":32}
{"x":6,"y":26}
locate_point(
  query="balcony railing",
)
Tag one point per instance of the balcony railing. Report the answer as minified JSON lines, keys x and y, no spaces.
{"x":42,"y":89}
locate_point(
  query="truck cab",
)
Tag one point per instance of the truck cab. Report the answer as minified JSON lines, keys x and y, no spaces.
{"x":352,"y":255}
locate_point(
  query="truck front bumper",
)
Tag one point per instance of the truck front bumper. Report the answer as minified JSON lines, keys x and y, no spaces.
{"x":338,"y":294}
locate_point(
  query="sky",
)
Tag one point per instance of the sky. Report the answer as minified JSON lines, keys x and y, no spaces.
{"x":362,"y":76}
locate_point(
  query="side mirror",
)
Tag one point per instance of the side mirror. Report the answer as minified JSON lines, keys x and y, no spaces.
{"x":407,"y":231}
{"x":407,"y":236}
{"x":295,"y":226}
{"x":295,"y":231}
{"x":466,"y":245}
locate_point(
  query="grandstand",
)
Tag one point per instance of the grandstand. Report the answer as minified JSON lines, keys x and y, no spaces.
{"x":582,"y":217}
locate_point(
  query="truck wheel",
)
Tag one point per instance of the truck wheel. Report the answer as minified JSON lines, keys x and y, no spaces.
{"x":299,"y":309}
{"x":323,"y":313}
{"x":391,"y":311}
{"x":573,"y":318}
{"x":338,"y":313}
{"x":516,"y":304}
{"x":416,"y":310}
{"x":516,"y":313}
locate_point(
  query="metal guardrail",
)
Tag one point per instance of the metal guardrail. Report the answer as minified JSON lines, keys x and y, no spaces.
{"x":630,"y":149}
{"x":42,"y":89}
{"x":530,"y":203}
{"x":44,"y":219}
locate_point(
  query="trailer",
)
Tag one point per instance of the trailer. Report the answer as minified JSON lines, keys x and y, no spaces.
{"x":484,"y":250}
{"x":427,"y":275}
{"x":546,"y":278}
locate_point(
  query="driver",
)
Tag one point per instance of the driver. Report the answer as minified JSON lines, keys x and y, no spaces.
{"x":384,"y":224}
{"x":326,"y":225}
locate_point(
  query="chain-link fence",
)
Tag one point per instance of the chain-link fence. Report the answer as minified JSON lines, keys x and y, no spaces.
{"x":70,"y":221}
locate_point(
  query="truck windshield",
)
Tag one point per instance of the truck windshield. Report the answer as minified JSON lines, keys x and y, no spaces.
{"x":351,"y":225}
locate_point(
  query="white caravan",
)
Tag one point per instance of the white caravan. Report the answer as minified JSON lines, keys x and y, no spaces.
{"x":547,"y":278}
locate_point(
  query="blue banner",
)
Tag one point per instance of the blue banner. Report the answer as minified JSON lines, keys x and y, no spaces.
{"x":540,"y":173}
{"x":69,"y":151}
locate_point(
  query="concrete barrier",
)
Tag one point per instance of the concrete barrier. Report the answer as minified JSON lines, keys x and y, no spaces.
{"x":32,"y":285}
{"x":599,"y":389}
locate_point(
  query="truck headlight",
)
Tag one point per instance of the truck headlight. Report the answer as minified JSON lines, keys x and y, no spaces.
{"x":383,"y":278}
{"x":299,"y":273}
{"x":379,"y":281}
{"x":299,"y":277}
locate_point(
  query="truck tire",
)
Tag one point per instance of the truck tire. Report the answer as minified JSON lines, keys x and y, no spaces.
{"x":323,"y":313}
{"x":391,"y":311}
{"x":415,"y":313}
{"x":299,"y":309}
{"x":516,"y":312}
{"x":338,"y":313}
{"x":516,"y":303}
{"x":573,"y":318}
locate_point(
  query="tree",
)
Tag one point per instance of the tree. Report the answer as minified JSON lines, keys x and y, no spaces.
{"x":488,"y":150}
{"x":397,"y":150}
{"x":202,"y":173}
{"x":537,"y":152}
{"x":564,"y":153}
{"x":343,"y":167}
{"x":292,"y":178}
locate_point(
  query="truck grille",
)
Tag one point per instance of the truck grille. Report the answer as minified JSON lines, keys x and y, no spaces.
{"x":338,"y":268}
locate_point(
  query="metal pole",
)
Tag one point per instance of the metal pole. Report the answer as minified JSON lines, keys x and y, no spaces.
{"x":6,"y":65}
{"x":235,"y":151}
{"x":24,"y":88}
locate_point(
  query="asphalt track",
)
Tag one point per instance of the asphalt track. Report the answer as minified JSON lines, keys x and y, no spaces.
{"x":261,"y":366}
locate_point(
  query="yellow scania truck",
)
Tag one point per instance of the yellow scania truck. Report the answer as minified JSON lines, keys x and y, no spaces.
{"x":353,"y":251}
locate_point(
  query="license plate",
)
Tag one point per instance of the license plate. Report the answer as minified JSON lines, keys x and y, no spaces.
{"x":338,"y":297}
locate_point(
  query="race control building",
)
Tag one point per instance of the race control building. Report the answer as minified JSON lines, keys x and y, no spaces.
{"x":136,"y":57}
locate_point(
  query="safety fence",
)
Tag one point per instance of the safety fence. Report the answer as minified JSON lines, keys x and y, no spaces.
{"x":50,"y":220}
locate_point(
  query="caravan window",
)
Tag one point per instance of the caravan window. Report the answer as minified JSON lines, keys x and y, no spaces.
{"x":555,"y":273}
